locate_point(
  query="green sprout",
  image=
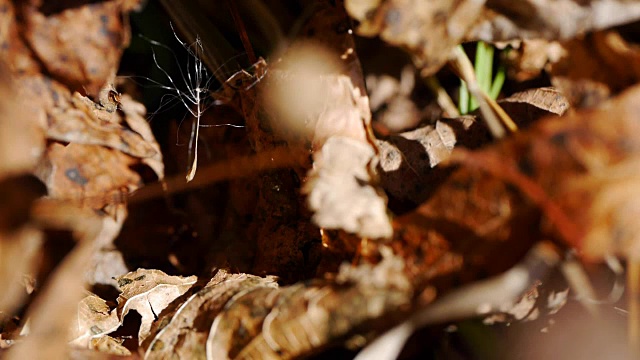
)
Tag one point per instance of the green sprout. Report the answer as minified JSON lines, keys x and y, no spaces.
{"x":483,"y":67}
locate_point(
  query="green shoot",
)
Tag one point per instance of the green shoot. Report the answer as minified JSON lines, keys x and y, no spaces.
{"x":483,"y":68}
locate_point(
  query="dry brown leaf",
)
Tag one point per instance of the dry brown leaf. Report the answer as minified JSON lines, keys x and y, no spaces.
{"x":429,"y":30}
{"x":549,"y":100}
{"x":80,"y":46}
{"x":187,"y":329}
{"x":241,"y":321}
{"x":307,"y":317}
{"x":51,"y":314}
{"x":550,"y":19}
{"x":94,"y":321}
{"x":21,"y":145}
{"x":85,"y":61}
{"x":18,"y":256}
{"x":595,"y":67}
{"x":529,"y":57}
{"x":149,"y":292}
{"x":92,"y":175}
{"x":83,"y":124}
{"x":580,"y":170}
{"x":407,"y":160}
{"x":108,"y":345}
{"x":339,"y":190}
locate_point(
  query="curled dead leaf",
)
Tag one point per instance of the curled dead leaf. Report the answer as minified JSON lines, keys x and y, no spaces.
{"x":339,"y":190}
{"x":550,"y":19}
{"x":83,"y":61}
{"x":149,"y":292}
{"x":95,"y":319}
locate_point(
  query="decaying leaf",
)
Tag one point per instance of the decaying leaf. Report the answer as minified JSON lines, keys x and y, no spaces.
{"x":80,"y":46}
{"x":429,"y":30}
{"x":339,"y":193}
{"x":21,"y":145}
{"x":530,"y":57}
{"x":51,"y":314}
{"x":582,"y":161}
{"x":543,"y":100}
{"x":149,"y":292}
{"x":336,"y":117}
{"x":595,"y":67}
{"x":94,"y":321}
{"x":306,"y":317}
{"x":188,"y":327}
{"x":92,"y":175}
{"x":391,"y":97}
{"x":550,"y":19}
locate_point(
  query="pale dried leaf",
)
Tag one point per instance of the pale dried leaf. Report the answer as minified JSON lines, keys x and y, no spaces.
{"x":313,"y":102}
{"x":339,"y":190}
{"x":429,"y":30}
{"x":408,"y":159}
{"x":241,"y":320}
{"x":86,"y":61}
{"x":83,"y":124}
{"x":21,"y":139}
{"x":548,"y":99}
{"x":186,"y":332}
{"x":595,"y":67}
{"x":18,"y":256}
{"x":135,"y":117}
{"x":108,"y":345}
{"x":307,"y":317}
{"x":51,"y":314}
{"x":149,"y":292}
{"x":94,"y":321}
{"x":556,"y":300}
{"x":107,"y":264}
{"x":550,"y":19}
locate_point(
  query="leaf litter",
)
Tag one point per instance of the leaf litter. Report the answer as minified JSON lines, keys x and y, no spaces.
{"x":326,"y":232}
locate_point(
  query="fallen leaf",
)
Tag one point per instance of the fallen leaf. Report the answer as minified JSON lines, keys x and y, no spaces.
{"x":408,"y":160}
{"x":80,"y":46}
{"x":578,"y":169}
{"x":608,"y":65}
{"x":88,"y":174}
{"x":306,"y":317}
{"x":149,"y":292}
{"x":528,"y":58}
{"x":187,"y":329}
{"x":51,"y":314}
{"x":240,"y":322}
{"x":531,"y":105}
{"x":339,"y":191}
{"x":549,"y":19}
{"x":94,"y":320}
{"x":108,"y":345}
{"x":429,"y":31}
